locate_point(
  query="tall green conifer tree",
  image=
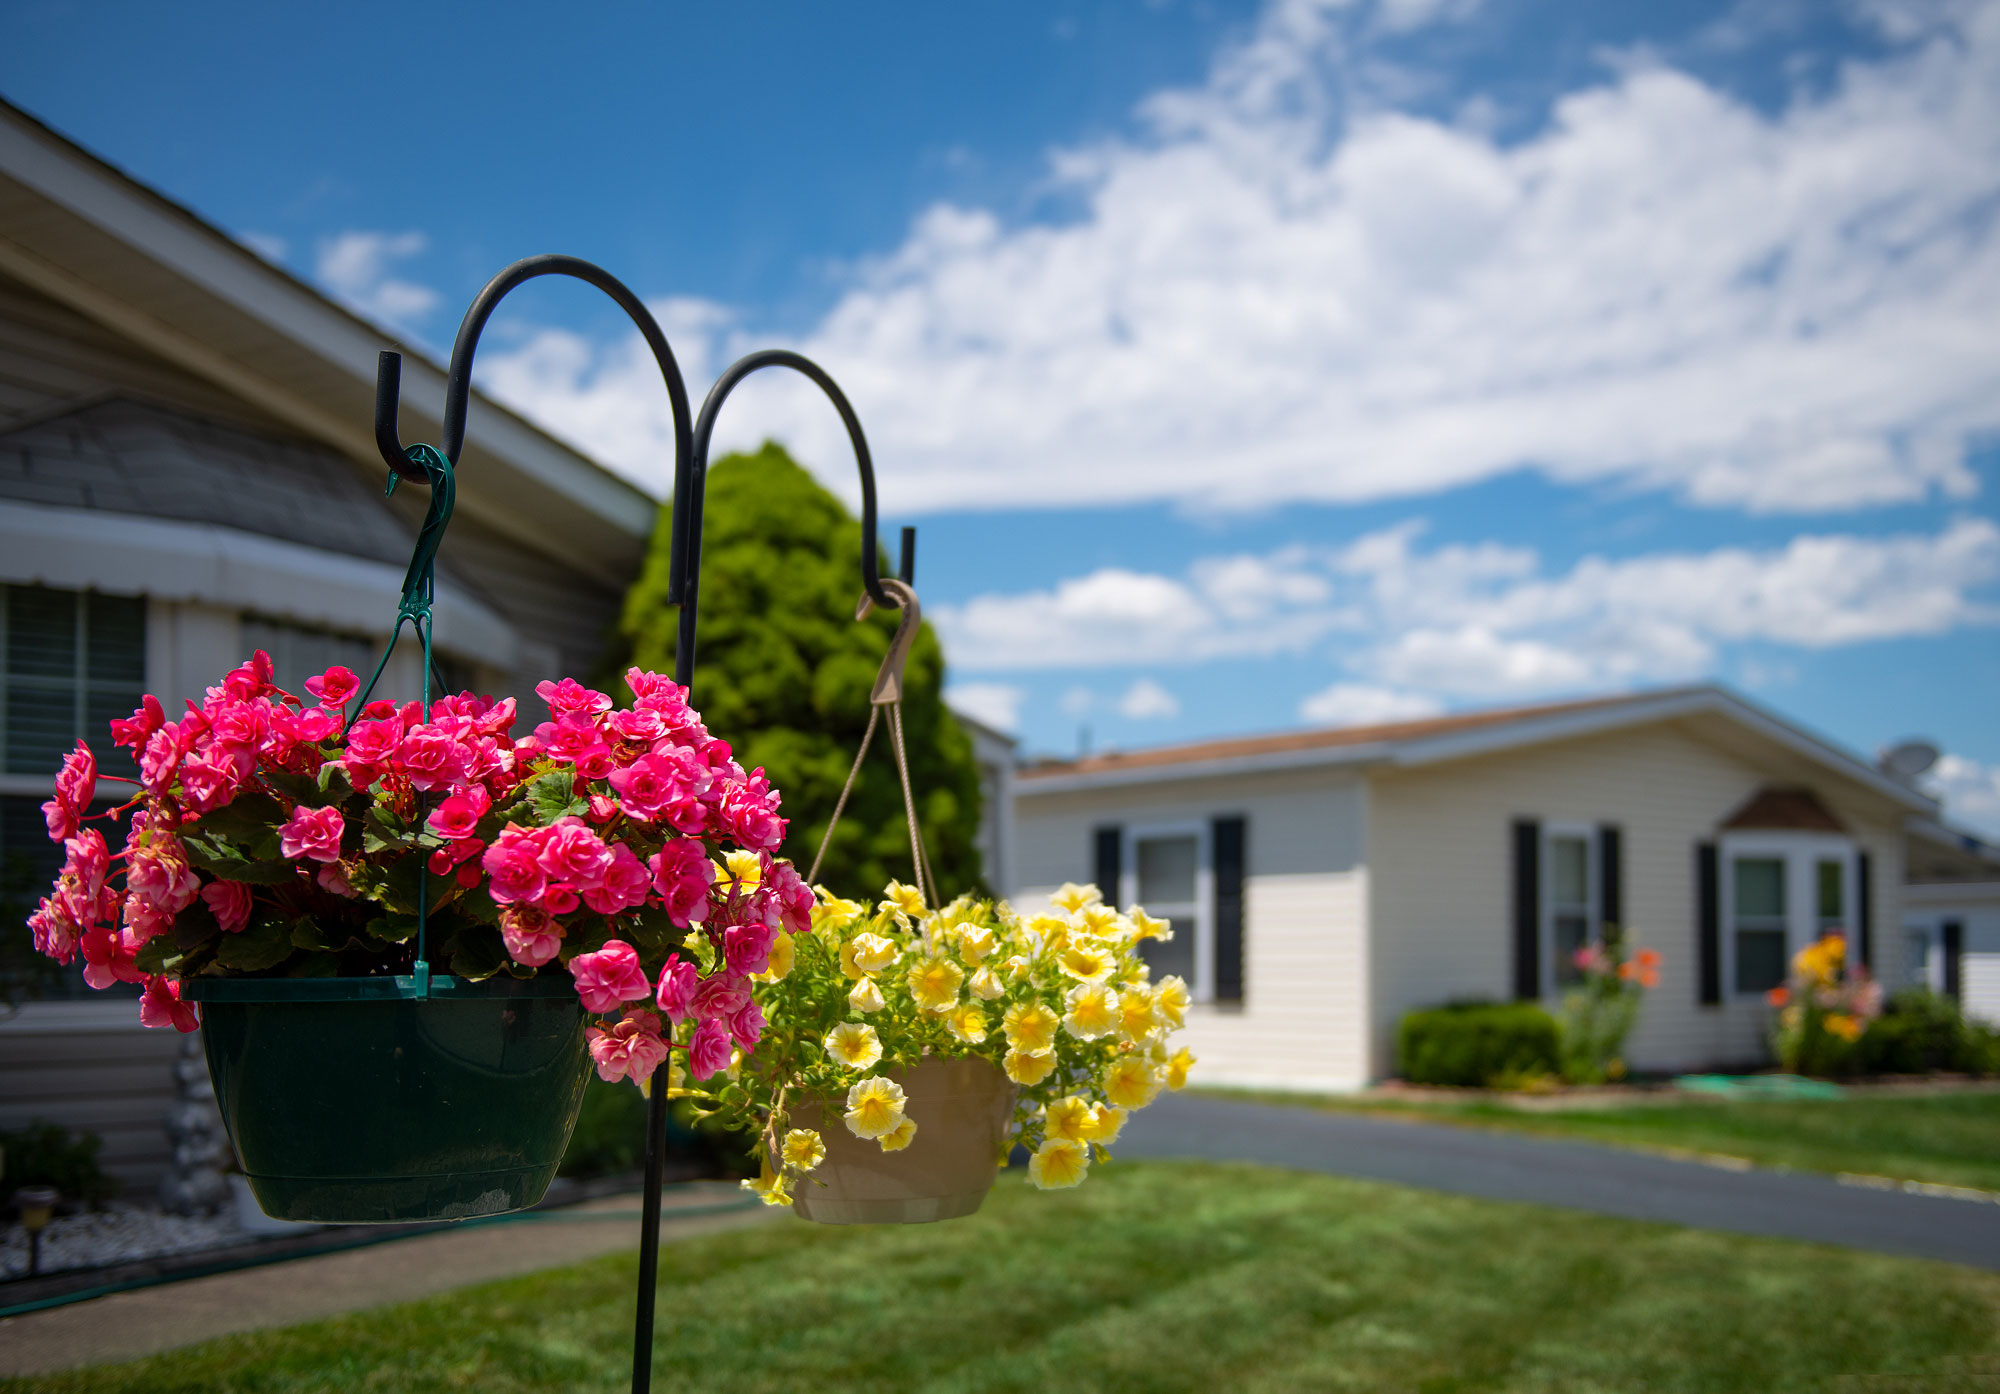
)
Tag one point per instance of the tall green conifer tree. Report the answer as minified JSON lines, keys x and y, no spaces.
{"x":783,"y":672}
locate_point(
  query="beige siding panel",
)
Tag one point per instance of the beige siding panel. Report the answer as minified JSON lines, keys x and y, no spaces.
{"x":1441,"y":873}
{"x":91,"y":1067}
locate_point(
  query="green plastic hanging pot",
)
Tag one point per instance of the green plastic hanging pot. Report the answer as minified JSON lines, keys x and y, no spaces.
{"x":356,"y":1101}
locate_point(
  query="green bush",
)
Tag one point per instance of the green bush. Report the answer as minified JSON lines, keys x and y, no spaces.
{"x":610,"y":1137}
{"x":47,"y":1154}
{"x":1472,"y":1044}
{"x":1921,"y":1031}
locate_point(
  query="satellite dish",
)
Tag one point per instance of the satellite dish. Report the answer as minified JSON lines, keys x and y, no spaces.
{"x":1908,"y":760}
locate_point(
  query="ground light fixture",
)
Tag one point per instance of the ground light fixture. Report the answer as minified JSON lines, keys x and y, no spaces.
{"x":37,"y":1205}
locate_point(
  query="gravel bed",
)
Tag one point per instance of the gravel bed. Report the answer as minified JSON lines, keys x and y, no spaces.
{"x":117,"y":1234}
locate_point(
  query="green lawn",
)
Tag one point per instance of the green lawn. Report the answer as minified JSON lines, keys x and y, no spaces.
{"x":1163,"y":1277}
{"x":1950,"y":1139}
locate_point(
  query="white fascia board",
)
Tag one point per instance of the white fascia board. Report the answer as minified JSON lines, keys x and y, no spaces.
{"x":240,"y":279}
{"x":1027,"y":785}
{"x":85,"y":549}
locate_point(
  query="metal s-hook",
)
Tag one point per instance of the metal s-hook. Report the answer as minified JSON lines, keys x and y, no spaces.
{"x":910,"y":619}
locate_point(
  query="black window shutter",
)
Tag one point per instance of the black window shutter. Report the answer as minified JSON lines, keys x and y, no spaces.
{"x":1953,"y":934}
{"x":1527,"y":908}
{"x":1110,"y":862}
{"x":1864,"y":912}
{"x":1227,"y":838}
{"x":1708,"y":922}
{"x":1610,"y":877}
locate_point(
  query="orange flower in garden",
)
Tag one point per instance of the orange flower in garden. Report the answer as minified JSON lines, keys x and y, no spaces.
{"x":1778,"y":996}
{"x":1644,"y":968}
{"x":1846,"y":1027}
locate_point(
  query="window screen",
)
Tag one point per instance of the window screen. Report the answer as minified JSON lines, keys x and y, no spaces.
{"x":1759,"y":920}
{"x":73,"y":661}
{"x":1167,"y":870}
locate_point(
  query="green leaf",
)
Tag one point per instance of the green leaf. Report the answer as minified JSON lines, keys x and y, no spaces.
{"x":309,"y":933}
{"x":159,"y":954}
{"x":393,"y":929}
{"x":219,"y":858}
{"x":383,"y":831}
{"x":654,"y":934}
{"x":300,"y":788}
{"x":194,"y":926}
{"x":314,"y":965}
{"x":263,"y":945}
{"x":553,"y":795}
{"x":477,"y":953}
{"x":334,"y":783}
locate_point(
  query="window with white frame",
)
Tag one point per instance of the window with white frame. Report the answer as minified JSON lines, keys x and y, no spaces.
{"x":1569,"y":898}
{"x":72,"y":660}
{"x":1167,"y":872}
{"x":1781,"y":891}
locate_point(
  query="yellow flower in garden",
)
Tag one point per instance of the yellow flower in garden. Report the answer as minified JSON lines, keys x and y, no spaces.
{"x":1030,"y":1027}
{"x":1072,"y":1118}
{"x":1840,"y":1024}
{"x":1016,"y":966}
{"x":853,"y":1045}
{"x":768,"y":1185}
{"x":1178,"y":1067}
{"x":874,"y":1106}
{"x":1087,"y":961}
{"x":1059,"y":1164}
{"x":1137,"y":1018}
{"x":1171,"y":998}
{"x":934,"y":982}
{"x":783,"y":955}
{"x":745,"y":867}
{"x":1093,"y":1011}
{"x":1029,"y":1070}
{"x":967,"y":1023}
{"x":832,"y":913}
{"x":1144,"y":926}
{"x":1097,"y":919}
{"x":866,"y":997}
{"x":898,"y":1137}
{"x":1106,"y":1124}
{"x":1072,"y":897}
{"x":804,"y":1149}
{"x":906,"y":903}
{"x":986,"y":983}
{"x":1131,"y":1082}
{"x":873,"y":952}
{"x":976,"y":943}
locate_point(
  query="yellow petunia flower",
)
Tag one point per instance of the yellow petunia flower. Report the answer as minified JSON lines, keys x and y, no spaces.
{"x":1016,"y":966}
{"x":873,"y":953}
{"x":1028,"y":1070}
{"x":976,"y":944}
{"x":968,"y":1023}
{"x":804,"y":1149}
{"x":1097,"y":919}
{"x":934,"y":983}
{"x":1177,"y":1068}
{"x":1093,"y":1011}
{"x":1106,"y":1124}
{"x":1030,"y":1027}
{"x":768,"y":1185}
{"x":1086,"y":960}
{"x":898,"y":1137}
{"x":1131,"y":1082}
{"x":1072,"y":897}
{"x":1138,"y":1019}
{"x":866,"y":996}
{"x":1144,"y":926}
{"x":1171,"y":998}
{"x":853,"y":1045}
{"x":986,"y":983}
{"x":874,"y":1107}
{"x":1059,"y":1164}
{"x":1071,"y":1118}
{"x":783,"y":955}
{"x":906,"y":903}
{"x":746,"y":867}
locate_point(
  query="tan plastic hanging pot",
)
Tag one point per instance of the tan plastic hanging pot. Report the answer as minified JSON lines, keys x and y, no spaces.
{"x":961,"y":1109}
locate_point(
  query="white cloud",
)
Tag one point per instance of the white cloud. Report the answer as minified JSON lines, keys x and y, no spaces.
{"x":1485,"y":620}
{"x":1146,"y":700}
{"x":356,"y":269}
{"x":997,"y":704}
{"x":1280,"y":287}
{"x":1363,"y":704}
{"x":266,"y":245}
{"x":1971,"y":793}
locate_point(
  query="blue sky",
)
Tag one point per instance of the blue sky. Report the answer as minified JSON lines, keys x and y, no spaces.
{"x":1244,"y":366}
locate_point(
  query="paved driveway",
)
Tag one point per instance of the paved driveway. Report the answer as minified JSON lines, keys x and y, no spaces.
{"x":1579,"y":1176}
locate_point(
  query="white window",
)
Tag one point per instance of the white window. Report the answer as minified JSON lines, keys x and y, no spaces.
{"x":1780,"y":892}
{"x":1168,"y":873}
{"x":70,"y":661}
{"x":299,"y":652}
{"x":1570,"y":896}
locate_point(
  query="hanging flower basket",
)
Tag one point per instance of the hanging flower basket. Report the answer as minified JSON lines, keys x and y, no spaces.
{"x":352,"y":1103}
{"x":962,"y":1107}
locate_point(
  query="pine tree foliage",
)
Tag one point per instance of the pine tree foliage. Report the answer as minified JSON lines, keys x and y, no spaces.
{"x":783,"y":672}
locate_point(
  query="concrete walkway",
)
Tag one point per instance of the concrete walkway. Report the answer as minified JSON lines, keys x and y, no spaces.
{"x":127,"y":1325}
{"x":1575,"y":1175}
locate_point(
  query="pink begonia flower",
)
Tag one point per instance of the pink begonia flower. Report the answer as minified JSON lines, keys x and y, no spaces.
{"x":511,"y":865}
{"x":626,"y":883}
{"x":602,"y":809}
{"x":239,"y":726}
{"x":568,"y":738}
{"x":381,"y":709}
{"x":108,"y":956}
{"x":160,"y":875}
{"x":795,"y":898}
{"x":532,"y":936}
{"x":432,"y":759}
{"x":333,"y":882}
{"x":76,"y":783}
{"x":458,"y":816}
{"x":453,"y":853}
{"x":87,"y":860}
{"x":61,"y":820}
{"x":656,"y":685}
{"x":752,"y":811}
{"x":54,"y":931}
{"x":595,"y":763}
{"x":746,"y":948}
{"x":160,"y":761}
{"x":312,"y":832}
{"x":143,"y":919}
{"x":721,"y":997}
{"x":571,"y":852}
{"x":632,"y":1049}
{"x":161,"y":1005}
{"x":637,"y":724}
{"x":609,"y":977}
{"x":569,"y":695}
{"x":651,"y":784}
{"x":560,"y":898}
{"x":708,"y":1052}
{"x":747,"y":1026}
{"x":373,"y":742}
{"x":230,"y":900}
{"x":134,"y":731}
{"x":682,"y":874}
{"x":314,"y":725}
{"x":334,"y":686}
{"x":675,"y":994}
{"x":206,"y":787}
{"x":251,"y":680}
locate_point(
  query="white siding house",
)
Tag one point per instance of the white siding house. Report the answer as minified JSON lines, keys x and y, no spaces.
{"x":1324,"y":883}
